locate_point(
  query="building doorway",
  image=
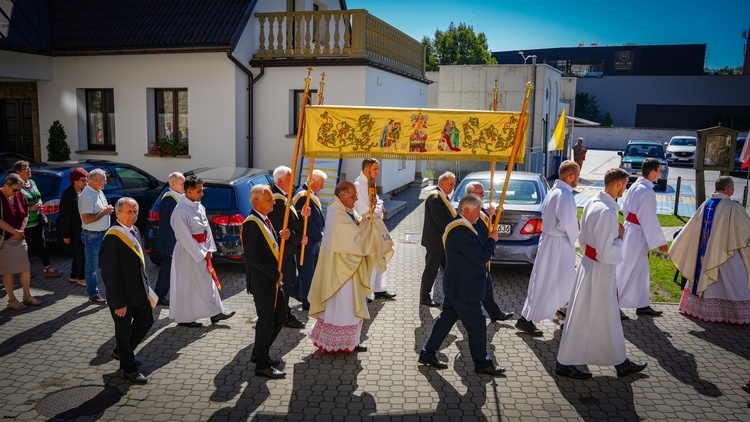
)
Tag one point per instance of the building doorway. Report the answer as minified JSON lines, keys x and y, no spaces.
{"x":16,"y":126}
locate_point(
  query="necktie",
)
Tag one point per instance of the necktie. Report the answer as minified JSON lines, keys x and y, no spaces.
{"x":350,"y":215}
{"x":270,"y":226}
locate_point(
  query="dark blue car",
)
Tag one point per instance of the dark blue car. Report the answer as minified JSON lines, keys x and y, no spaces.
{"x":122,"y":180}
{"x":226,"y":197}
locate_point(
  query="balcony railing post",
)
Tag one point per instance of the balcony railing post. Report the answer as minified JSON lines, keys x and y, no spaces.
{"x":359,"y":31}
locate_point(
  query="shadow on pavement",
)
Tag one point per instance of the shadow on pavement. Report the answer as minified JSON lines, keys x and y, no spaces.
{"x":596,"y":399}
{"x":46,"y":330}
{"x":471,"y":403}
{"x":650,"y":339}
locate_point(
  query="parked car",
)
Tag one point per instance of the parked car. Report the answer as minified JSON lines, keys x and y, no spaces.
{"x":737,"y":163}
{"x":7,"y":159}
{"x":226,"y":197}
{"x":681,"y":149}
{"x":122,"y":180}
{"x":634,"y":155}
{"x":521,"y":223}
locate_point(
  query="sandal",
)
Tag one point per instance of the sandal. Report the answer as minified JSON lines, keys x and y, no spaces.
{"x":32,"y":302}
{"x":51,"y":272}
{"x":16,"y":305}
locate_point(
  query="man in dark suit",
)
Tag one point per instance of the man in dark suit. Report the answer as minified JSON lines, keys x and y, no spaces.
{"x":464,"y":284}
{"x":438,"y":212}
{"x":282,"y":179}
{"x":315,"y":226}
{"x":123,"y":272}
{"x":261,"y":249}
{"x":482,"y":226}
{"x":165,"y":239}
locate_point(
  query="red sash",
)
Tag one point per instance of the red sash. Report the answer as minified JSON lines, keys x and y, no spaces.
{"x":591,"y":253}
{"x":632,"y":218}
{"x":200,"y":238}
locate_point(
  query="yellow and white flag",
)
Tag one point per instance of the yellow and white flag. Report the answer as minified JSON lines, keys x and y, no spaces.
{"x":557,"y":141}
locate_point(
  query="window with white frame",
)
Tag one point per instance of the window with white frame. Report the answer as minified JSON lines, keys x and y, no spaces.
{"x":100,"y":119}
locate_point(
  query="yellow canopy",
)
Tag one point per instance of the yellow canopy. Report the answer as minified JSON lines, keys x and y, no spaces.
{"x":403,"y":133}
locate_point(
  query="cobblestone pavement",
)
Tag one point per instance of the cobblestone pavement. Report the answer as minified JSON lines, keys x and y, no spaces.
{"x":695,"y":368}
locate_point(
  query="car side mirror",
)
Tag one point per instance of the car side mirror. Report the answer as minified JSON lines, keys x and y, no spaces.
{"x":155,"y":184}
{"x":619,"y":153}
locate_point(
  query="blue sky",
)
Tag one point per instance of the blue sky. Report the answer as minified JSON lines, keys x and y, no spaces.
{"x":517,"y":25}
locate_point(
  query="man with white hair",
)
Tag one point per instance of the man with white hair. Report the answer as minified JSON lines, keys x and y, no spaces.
{"x":438,"y":212}
{"x":370,"y":170}
{"x":282,"y":179}
{"x":315,"y":226}
{"x":165,"y":239}
{"x":466,"y":256}
{"x":95,"y":212}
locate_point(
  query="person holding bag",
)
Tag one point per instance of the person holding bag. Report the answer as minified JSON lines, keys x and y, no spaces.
{"x":14,"y":213}
{"x":37,"y":220}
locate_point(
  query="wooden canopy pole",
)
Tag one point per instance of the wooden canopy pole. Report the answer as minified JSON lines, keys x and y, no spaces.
{"x":309,"y":176}
{"x":522,"y":121}
{"x":300,"y":126}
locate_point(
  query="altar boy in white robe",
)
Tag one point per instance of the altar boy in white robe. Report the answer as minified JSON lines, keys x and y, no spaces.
{"x":642,"y":233}
{"x":593,"y":330}
{"x":554,"y":270}
{"x":194,"y":287}
{"x":370,"y":170}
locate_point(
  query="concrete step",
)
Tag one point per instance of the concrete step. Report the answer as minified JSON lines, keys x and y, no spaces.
{"x":419,"y":182}
{"x":391,"y":207}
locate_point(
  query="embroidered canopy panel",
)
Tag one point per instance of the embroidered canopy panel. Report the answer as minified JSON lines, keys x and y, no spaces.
{"x":403,"y":133}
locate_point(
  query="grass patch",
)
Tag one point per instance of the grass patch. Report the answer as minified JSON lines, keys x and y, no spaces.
{"x":665,"y":220}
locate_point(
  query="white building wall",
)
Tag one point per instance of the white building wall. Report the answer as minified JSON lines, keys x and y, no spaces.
{"x":23,"y":66}
{"x":345,"y":85}
{"x":209,"y":77}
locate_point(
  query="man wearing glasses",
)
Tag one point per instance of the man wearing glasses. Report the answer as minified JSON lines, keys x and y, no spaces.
{"x":482,"y":226}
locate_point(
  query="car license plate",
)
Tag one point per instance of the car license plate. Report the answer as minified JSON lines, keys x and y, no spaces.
{"x":503,"y":229}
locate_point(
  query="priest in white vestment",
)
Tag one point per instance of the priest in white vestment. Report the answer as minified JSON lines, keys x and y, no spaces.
{"x":349,"y":250}
{"x":554,"y":268}
{"x":593,"y":331}
{"x":642,"y":233}
{"x":370,"y":170}
{"x":712,"y":253}
{"x":194,"y":293}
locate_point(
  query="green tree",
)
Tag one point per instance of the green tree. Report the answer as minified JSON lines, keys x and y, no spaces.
{"x":607,"y":120}
{"x":57,"y":148}
{"x":587,"y":107}
{"x":458,"y":45}
{"x":432,"y":64}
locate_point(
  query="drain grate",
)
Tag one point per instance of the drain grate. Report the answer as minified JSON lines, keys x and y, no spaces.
{"x":74,"y":402}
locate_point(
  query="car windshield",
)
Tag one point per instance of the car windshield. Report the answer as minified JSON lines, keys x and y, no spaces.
{"x":644,"y":150}
{"x":683,"y":142}
{"x":218,"y":198}
{"x":520,"y":192}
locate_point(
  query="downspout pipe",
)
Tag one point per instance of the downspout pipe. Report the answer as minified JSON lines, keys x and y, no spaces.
{"x":251,"y":80}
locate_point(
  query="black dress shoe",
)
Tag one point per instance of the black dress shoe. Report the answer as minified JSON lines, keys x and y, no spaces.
{"x":360,"y":348}
{"x":433,"y":362}
{"x":431,"y":303}
{"x":623,"y":317}
{"x":222,"y":316}
{"x":648,"y":311}
{"x":116,"y":356}
{"x":274,"y":362}
{"x":163,"y":302}
{"x":190,"y":324}
{"x":493,"y":370}
{"x":746,"y":387}
{"x":293,"y":322}
{"x":528,"y":327}
{"x":270,"y":373}
{"x":573,"y":372}
{"x":632,"y":368}
{"x":502,"y":316}
{"x":136,"y":377}
{"x":384,"y":295}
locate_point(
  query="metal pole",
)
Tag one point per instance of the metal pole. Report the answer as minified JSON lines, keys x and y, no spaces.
{"x":747,"y":182}
{"x":677,"y":195}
